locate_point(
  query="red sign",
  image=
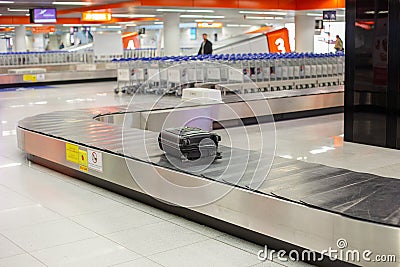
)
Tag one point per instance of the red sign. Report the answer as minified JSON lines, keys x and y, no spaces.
{"x":130,"y":40}
{"x":44,"y":29}
{"x":278,"y":41}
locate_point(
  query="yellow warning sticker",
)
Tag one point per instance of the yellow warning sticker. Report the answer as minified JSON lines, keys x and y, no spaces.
{"x":30,"y":78}
{"x":83,"y":168}
{"x":83,"y":159}
{"x":72,"y":153}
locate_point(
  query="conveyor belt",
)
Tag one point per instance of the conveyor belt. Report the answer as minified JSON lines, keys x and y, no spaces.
{"x":308,"y":205}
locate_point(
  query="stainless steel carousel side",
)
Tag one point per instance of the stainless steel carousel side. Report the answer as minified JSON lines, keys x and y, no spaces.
{"x":45,"y":138}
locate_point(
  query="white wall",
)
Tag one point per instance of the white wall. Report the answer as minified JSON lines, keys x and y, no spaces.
{"x":256,"y":45}
{"x":150,"y":39}
{"x":292,"y":35}
{"x":321,"y":41}
{"x":3,"y":45}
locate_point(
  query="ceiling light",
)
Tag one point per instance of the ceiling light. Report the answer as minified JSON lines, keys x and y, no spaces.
{"x":202,"y":17}
{"x":204,"y":20}
{"x":159,"y":23}
{"x":279,"y":18}
{"x":200,"y":11}
{"x":126,"y":23}
{"x":264,"y":13}
{"x":111,"y":27}
{"x":170,"y":10}
{"x":17,"y":10}
{"x":185,"y":10}
{"x":72,"y":3}
{"x":314,"y":15}
{"x":191,"y":16}
{"x":259,"y":17}
{"x":132,"y":16}
{"x":7,"y":2}
{"x":238,"y":25}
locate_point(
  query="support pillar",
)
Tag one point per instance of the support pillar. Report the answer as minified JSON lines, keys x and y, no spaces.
{"x":19,"y":41}
{"x":305,"y":30}
{"x":171,"y":34}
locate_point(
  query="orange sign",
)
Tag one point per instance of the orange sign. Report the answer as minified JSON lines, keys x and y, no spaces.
{"x":44,"y":29}
{"x":278,"y":41}
{"x":206,"y":25}
{"x":130,"y":40}
{"x":96,"y":16}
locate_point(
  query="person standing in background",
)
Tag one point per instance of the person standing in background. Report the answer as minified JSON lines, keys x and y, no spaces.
{"x":61,"y":45}
{"x":206,"y":46}
{"x":338,"y":44}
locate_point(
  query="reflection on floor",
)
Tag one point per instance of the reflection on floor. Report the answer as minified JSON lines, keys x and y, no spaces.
{"x":47,"y":218}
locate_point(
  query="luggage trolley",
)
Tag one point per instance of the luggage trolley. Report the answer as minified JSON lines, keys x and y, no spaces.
{"x":123,"y":76}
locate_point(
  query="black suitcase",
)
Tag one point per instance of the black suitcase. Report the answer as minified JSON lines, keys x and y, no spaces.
{"x":189,"y":143}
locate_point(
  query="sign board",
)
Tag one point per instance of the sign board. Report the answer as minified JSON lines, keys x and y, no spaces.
{"x":95,"y":160}
{"x":72,"y":153}
{"x":329,"y":15}
{"x":29,"y":78}
{"x":96,"y":16}
{"x":207,"y":25}
{"x":278,"y":41}
{"x":44,"y":29}
{"x":43,"y":15}
{"x":319,"y":24}
{"x":130,"y":40}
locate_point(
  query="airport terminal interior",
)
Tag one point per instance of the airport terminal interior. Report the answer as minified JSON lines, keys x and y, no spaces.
{"x":199,"y":133}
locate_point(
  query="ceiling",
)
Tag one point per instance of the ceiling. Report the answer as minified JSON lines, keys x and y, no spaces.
{"x":225,"y":15}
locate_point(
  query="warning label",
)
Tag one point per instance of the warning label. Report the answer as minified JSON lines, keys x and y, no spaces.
{"x":83,"y":168}
{"x":95,"y":160}
{"x":83,"y":159}
{"x":29,"y":78}
{"x":72,"y":153}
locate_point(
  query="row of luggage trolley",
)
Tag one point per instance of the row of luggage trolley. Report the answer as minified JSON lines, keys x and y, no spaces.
{"x":38,"y":58}
{"x":241,"y":73}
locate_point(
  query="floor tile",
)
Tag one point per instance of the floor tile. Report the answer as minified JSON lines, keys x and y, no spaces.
{"x":8,"y":248}
{"x":267,"y":264}
{"x":206,"y":253}
{"x":12,"y":200}
{"x":151,"y":210}
{"x":45,"y":235}
{"x":240,"y":243}
{"x":26,"y":215}
{"x":73,"y":206}
{"x":155,"y":238}
{"x":199,"y":228}
{"x":142,"y":262}
{"x":23,"y":260}
{"x":94,"y":252}
{"x":115,"y":219}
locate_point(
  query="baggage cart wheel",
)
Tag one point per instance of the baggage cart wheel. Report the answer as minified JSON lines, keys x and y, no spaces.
{"x":129,"y":91}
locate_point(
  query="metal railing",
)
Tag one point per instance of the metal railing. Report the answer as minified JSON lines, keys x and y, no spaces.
{"x":241,"y":73}
{"x":18,"y":59}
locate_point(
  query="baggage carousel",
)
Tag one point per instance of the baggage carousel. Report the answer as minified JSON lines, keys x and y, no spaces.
{"x":249,"y":193}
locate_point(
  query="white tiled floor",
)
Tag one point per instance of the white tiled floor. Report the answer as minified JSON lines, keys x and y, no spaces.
{"x":50,"y":219}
